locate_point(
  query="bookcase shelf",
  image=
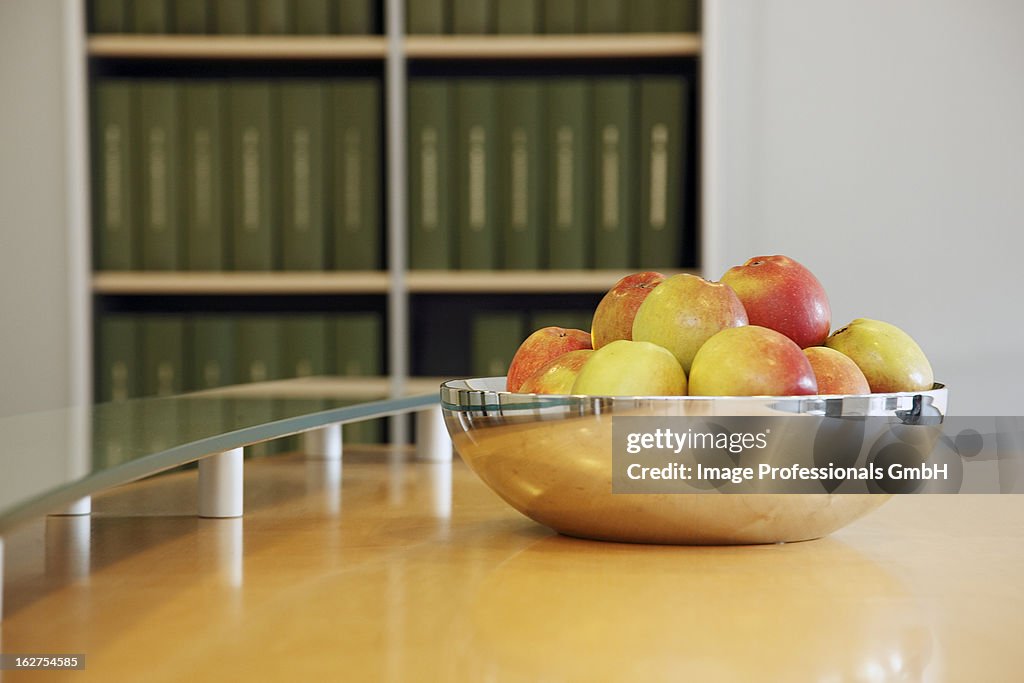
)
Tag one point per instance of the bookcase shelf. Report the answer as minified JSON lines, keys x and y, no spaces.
{"x":586,"y":46}
{"x":236,"y":47}
{"x":357,"y":282}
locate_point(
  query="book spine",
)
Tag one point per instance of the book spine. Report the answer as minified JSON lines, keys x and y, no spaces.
{"x":108,"y":16}
{"x":521,"y":211}
{"x":191,"y":16}
{"x":160,"y":146}
{"x":569,"y":319}
{"x":163,"y":363}
{"x":496,"y":337}
{"x":614,"y":145}
{"x":663,"y":147}
{"x":212,"y":353}
{"x":358,"y":352}
{"x":356,"y":184}
{"x":430,"y":155}
{"x":119,"y":374}
{"x":426,"y":16}
{"x":517,"y":16}
{"x":272,"y":17}
{"x":562,"y":16}
{"x":302,"y":176}
{"x":204,"y":177}
{"x":472,"y":16}
{"x":476,"y":173}
{"x":232,"y":17}
{"x":568,"y":173}
{"x":682,"y":16}
{"x":251,"y":167}
{"x":258,"y":348}
{"x":312,"y":17}
{"x":305,"y":346}
{"x":150,"y":16}
{"x":113,"y":162}
{"x":646,"y":16}
{"x":356,"y":17}
{"x":604,"y":16}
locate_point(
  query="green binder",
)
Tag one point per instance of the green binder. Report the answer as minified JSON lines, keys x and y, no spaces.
{"x":359,"y":352}
{"x":614,"y":145}
{"x":662,"y":150}
{"x":118,"y":371}
{"x":212,"y":358}
{"x":302,"y":176}
{"x":605,"y":16}
{"x":115,"y":222}
{"x":431,"y":213}
{"x":163,"y":355}
{"x":520,"y":205}
{"x":682,"y":16}
{"x":646,"y":16}
{"x":517,"y":16}
{"x":160,"y":172}
{"x":232,"y":17}
{"x":312,"y":16}
{"x":495,"y":338}
{"x":273,"y":17}
{"x":426,"y":16}
{"x":476,"y":173}
{"x":356,"y":17}
{"x":205,"y":171}
{"x":252,"y":164}
{"x":562,"y":16}
{"x":191,"y":16}
{"x":108,"y":16}
{"x":258,"y":348}
{"x":355,"y":194}
{"x":472,"y":16}
{"x":568,"y":174}
{"x":305,"y":346}
{"x":149,"y":16}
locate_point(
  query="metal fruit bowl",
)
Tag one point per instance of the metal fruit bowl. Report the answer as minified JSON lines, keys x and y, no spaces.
{"x":550,"y":457}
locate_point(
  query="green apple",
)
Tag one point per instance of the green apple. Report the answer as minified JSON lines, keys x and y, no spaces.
{"x":836,"y":373}
{"x":558,"y":376}
{"x":683,"y":312}
{"x":889,"y":357}
{"x":751,"y":361}
{"x":631,"y":368}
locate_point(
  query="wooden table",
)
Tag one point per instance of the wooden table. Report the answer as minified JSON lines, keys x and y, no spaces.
{"x":385,"y":569}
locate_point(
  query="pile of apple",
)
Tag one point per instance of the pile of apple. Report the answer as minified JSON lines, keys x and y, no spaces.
{"x":763,"y":330}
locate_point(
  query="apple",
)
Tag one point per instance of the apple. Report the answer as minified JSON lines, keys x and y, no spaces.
{"x":631,"y":368}
{"x":780,"y":294}
{"x":836,"y":373}
{"x":683,"y":312}
{"x":539,"y":348}
{"x":889,"y":357}
{"x":751,"y":361}
{"x":558,"y":375}
{"x":613,"y":318}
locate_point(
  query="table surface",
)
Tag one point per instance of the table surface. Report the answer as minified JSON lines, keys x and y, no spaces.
{"x":385,"y":569}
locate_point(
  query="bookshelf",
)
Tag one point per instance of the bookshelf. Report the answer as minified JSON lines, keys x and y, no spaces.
{"x":395,"y":56}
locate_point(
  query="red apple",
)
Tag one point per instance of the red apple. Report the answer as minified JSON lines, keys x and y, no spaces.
{"x":751,"y":361}
{"x":558,"y":374}
{"x":836,"y":373}
{"x":539,"y":348}
{"x":683,"y":312}
{"x":613,"y":318}
{"x":780,"y":294}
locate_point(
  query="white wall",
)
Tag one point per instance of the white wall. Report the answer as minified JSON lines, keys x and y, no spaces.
{"x":43,"y":350}
{"x":882,"y":144}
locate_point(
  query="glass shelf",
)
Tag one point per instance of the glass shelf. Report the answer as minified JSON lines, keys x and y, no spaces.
{"x":51,"y":459}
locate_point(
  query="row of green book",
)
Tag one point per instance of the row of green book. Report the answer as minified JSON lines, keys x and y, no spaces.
{"x":560,"y":173}
{"x":352,"y":17}
{"x":243,"y":175}
{"x":142,"y":355}
{"x":496,"y":335}
{"x":552,"y":16}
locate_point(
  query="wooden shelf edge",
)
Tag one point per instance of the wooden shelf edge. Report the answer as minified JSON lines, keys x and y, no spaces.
{"x":360,"y":282}
{"x":591,"y":46}
{"x":236,"y":47}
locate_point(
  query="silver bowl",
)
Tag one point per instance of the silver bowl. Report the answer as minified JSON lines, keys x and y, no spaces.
{"x":550,"y":457}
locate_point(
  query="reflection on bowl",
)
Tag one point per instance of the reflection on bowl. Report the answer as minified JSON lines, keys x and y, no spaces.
{"x":550,"y":457}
